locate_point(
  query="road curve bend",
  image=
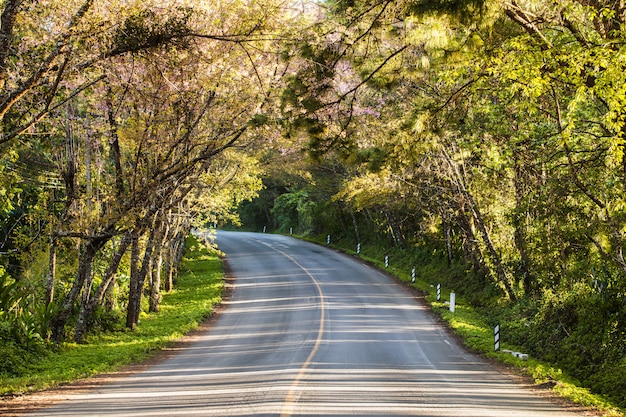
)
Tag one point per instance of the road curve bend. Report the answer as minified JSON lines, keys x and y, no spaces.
{"x":312,"y":332}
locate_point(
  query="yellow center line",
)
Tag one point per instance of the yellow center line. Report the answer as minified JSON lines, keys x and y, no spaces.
{"x":291,"y":397}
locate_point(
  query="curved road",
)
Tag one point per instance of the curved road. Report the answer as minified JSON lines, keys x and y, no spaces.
{"x":310,"y":332}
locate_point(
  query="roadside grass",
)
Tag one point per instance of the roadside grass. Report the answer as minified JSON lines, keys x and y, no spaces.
{"x":198,"y":289}
{"x":473,"y":327}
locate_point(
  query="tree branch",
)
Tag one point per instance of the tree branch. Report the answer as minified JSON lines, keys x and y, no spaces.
{"x":521,"y":17}
{"x":47,"y":109}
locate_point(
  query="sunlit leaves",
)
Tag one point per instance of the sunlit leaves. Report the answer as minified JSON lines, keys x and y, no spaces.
{"x":233,"y":179}
{"x":368,"y":190}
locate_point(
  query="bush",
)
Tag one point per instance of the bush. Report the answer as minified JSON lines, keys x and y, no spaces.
{"x":22,"y":331}
{"x":580,"y":330}
{"x":104,"y":320}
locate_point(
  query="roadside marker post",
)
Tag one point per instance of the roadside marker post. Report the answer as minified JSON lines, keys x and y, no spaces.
{"x":386,"y":261}
{"x":264,"y":229}
{"x":328,"y":240}
{"x":452,"y":302}
{"x":496,"y":338}
{"x":290,"y":231}
{"x":438,"y":292}
{"x":358,"y":249}
{"x":413,"y":275}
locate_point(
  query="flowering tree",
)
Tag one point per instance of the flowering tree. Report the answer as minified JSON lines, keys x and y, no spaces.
{"x":133,"y":111}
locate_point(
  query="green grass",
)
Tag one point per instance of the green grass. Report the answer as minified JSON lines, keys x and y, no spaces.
{"x":198,"y":289}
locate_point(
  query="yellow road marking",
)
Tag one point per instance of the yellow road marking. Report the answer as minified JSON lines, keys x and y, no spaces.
{"x":291,"y":397}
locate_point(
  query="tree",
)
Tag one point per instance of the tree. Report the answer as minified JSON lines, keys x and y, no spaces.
{"x":140,"y":148}
{"x":508,"y":134}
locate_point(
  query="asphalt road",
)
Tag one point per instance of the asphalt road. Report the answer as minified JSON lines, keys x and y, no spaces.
{"x":308,"y":332}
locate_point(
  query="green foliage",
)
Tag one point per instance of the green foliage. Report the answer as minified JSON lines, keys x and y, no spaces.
{"x":9,"y":295}
{"x":199,"y":288}
{"x":294,"y":210}
{"x":9,"y":182}
{"x":506,"y":158}
{"x":482,"y":142}
{"x":256,"y":214}
{"x":22,"y":331}
{"x":465,"y":10}
{"x":374,"y":157}
{"x":580,"y":330}
{"x":106,"y":320}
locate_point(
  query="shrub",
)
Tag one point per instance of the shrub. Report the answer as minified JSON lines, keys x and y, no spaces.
{"x":582,"y":331}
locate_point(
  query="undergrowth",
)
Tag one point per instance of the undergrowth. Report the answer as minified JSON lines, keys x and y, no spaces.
{"x":199,"y":288}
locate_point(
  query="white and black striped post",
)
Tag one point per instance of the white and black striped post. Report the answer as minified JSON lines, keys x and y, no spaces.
{"x":290,"y":231}
{"x":413,"y":275}
{"x":496,"y":338}
{"x":264,"y":229}
{"x":386,"y":261}
{"x":358,"y":249}
{"x":438,"y":292}
{"x":328,"y":240}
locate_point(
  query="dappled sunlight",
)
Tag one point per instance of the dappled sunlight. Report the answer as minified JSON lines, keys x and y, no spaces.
{"x":327,"y":389}
{"x":301,"y":337}
{"x":272,"y":305}
{"x":254,"y":281}
{"x":244,"y":303}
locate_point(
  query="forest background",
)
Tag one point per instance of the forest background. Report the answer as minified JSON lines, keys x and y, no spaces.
{"x":481,"y":139}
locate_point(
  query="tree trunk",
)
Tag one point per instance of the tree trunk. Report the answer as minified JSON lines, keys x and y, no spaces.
{"x":137,"y":279}
{"x":109,"y":300}
{"x":390,"y":227}
{"x":7,"y":21}
{"x":155,"y":284}
{"x":369,"y":222}
{"x":471,"y":252}
{"x":133,"y":295}
{"x":355,"y":226}
{"x":175,"y":252}
{"x":81,"y":322}
{"x":447,"y":230}
{"x":109,"y":276}
{"x":89,"y":250}
{"x":114,"y":144}
{"x":52,"y":266}
{"x":157,"y":265}
{"x":482,"y":227}
{"x":147,"y":276}
{"x":171,"y":264}
{"x":495,"y":258}
{"x":520,"y":233}
{"x":180,"y":250}
{"x":169,"y":267}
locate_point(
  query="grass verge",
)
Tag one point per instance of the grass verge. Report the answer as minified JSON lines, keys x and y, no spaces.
{"x":198,"y":290}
